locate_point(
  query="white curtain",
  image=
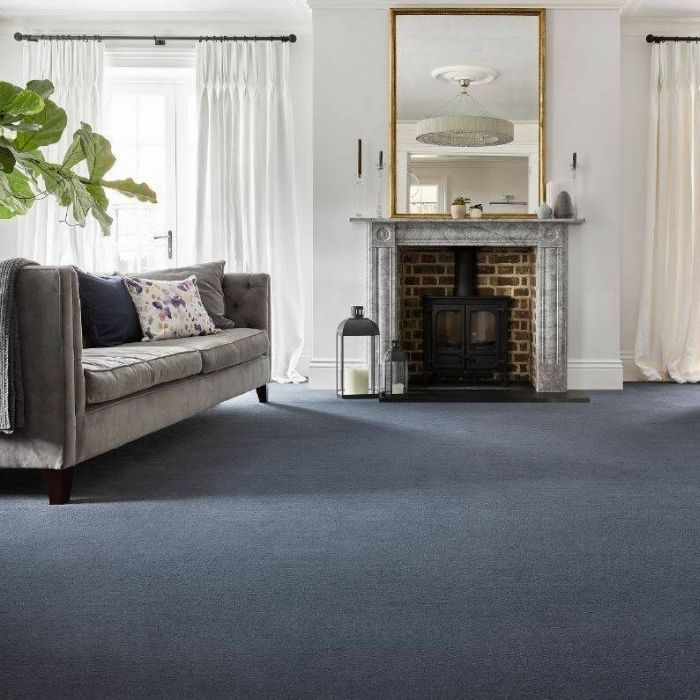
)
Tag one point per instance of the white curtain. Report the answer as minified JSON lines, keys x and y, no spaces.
{"x":75,"y":68}
{"x":246,"y":211}
{"x":668,"y":332}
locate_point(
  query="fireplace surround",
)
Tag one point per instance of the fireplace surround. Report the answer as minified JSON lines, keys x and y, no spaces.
{"x":548,"y":239}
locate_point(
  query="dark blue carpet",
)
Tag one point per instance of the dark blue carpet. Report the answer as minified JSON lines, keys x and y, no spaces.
{"x":320,"y":548}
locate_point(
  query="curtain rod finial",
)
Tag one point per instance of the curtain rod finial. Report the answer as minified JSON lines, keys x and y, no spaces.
{"x":19,"y":36}
{"x":292,"y":38}
{"x":650,"y":38}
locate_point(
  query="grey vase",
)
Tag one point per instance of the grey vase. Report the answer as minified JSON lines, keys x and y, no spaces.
{"x":563,"y":207}
{"x":544,"y":211}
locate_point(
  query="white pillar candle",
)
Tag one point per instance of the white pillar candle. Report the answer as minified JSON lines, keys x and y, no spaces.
{"x":397,"y":388}
{"x":357,"y":380}
{"x":551,"y":191}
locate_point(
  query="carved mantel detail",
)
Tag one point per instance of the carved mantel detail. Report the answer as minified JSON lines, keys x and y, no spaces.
{"x":549,"y":238}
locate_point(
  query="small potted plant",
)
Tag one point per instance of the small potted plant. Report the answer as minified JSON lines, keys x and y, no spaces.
{"x":476,"y":211}
{"x":459,"y":207}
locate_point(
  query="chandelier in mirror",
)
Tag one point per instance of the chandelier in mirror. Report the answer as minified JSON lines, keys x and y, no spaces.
{"x":462,"y":121}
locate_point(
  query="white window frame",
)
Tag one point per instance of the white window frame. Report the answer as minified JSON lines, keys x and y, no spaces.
{"x":172,"y":71}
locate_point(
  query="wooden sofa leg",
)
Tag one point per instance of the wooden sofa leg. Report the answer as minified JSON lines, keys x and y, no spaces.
{"x":262,"y":393}
{"x":58,"y":484}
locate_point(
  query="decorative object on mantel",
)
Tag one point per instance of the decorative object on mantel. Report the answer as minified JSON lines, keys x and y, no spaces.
{"x":360,"y":195}
{"x":563,"y":208}
{"x":395,"y":371}
{"x":574,"y":205}
{"x":551,"y":193}
{"x":352,"y":382}
{"x":463,"y":122}
{"x":544,"y":211}
{"x":380,"y":185}
{"x":476,"y":212}
{"x":458,"y":210}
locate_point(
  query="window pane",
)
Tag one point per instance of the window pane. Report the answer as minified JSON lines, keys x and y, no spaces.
{"x":151,"y":119}
{"x":122,"y":119}
{"x":152,"y":168}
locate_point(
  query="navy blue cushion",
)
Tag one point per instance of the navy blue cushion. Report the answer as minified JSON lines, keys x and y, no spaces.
{"x":108,"y":315}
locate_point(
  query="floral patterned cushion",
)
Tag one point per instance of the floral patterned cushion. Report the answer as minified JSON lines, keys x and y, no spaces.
{"x":169,"y":309}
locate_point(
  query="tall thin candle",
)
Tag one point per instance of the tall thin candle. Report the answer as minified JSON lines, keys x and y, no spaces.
{"x":574,"y":162}
{"x":381,"y":159}
{"x":359,"y":158}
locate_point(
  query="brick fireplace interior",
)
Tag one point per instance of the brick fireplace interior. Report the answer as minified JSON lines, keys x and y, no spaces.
{"x":507,"y":272}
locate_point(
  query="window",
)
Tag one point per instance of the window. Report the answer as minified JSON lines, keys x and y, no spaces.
{"x":424,"y":199}
{"x":150,"y":121}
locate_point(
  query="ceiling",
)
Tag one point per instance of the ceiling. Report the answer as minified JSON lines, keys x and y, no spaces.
{"x":661,"y":8}
{"x":507,"y":43}
{"x":250,"y":9}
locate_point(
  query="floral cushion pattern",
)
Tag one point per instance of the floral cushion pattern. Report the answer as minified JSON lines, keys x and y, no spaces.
{"x":169,"y":309}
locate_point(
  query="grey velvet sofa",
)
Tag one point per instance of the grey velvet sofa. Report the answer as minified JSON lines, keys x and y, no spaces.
{"x":81,"y":402}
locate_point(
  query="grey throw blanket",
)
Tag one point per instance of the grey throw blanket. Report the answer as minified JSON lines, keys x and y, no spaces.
{"x":11,"y":393}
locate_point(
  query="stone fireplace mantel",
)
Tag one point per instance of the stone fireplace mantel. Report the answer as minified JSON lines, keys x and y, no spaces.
{"x":548,"y":237}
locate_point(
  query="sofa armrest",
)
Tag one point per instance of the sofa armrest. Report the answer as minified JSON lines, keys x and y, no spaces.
{"x":247,"y":298}
{"x":48,"y":311}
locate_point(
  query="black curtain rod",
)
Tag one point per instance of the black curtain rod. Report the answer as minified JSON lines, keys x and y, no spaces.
{"x":653,"y":39}
{"x":158,"y":40}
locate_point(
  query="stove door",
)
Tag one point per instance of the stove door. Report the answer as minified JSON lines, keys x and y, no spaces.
{"x":482,"y":331}
{"x":448,"y":337}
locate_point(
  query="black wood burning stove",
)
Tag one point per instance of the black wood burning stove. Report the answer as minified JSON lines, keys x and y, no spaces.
{"x":465,"y":337}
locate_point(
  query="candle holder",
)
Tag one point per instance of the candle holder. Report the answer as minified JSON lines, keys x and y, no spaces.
{"x":380,"y":186}
{"x":395,"y":372}
{"x":352,"y":382}
{"x":360,"y":196}
{"x":574,"y":200}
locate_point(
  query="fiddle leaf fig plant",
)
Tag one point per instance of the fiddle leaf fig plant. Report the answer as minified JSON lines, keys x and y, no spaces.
{"x":30,"y":121}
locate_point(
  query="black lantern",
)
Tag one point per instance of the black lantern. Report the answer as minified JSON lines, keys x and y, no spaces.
{"x":395,"y":371}
{"x":351,"y":381}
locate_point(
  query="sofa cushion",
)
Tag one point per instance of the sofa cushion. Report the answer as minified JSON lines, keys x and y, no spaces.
{"x":227,"y":349}
{"x":111,"y":373}
{"x":169,"y":309}
{"x":209,"y":281}
{"x":107,"y":313}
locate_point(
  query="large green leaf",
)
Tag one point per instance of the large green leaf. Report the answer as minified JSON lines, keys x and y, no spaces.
{"x":16,"y":196}
{"x":74,"y":154}
{"x":25,"y":103}
{"x":8,"y":92}
{"x":138,"y":190}
{"x":43,"y":88}
{"x":52,"y":120}
{"x":49,"y":174}
{"x":94,"y":148}
{"x":99,"y":207}
{"x":7,"y":160}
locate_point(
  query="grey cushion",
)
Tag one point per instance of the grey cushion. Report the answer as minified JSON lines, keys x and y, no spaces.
{"x":247,"y":297}
{"x":111,"y":373}
{"x":226,"y":349}
{"x":209,"y":281}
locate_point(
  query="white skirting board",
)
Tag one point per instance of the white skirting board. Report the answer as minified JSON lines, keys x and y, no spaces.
{"x":582,"y":374}
{"x":595,"y":374}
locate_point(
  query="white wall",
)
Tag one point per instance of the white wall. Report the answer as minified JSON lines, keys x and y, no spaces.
{"x":635,"y":117}
{"x":351,"y":59}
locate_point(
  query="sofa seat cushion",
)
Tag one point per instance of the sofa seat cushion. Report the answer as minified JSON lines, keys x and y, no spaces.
{"x":229,"y":348}
{"x":111,"y":373}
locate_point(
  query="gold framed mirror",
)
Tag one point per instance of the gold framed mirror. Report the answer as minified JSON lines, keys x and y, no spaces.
{"x":467,"y":111}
